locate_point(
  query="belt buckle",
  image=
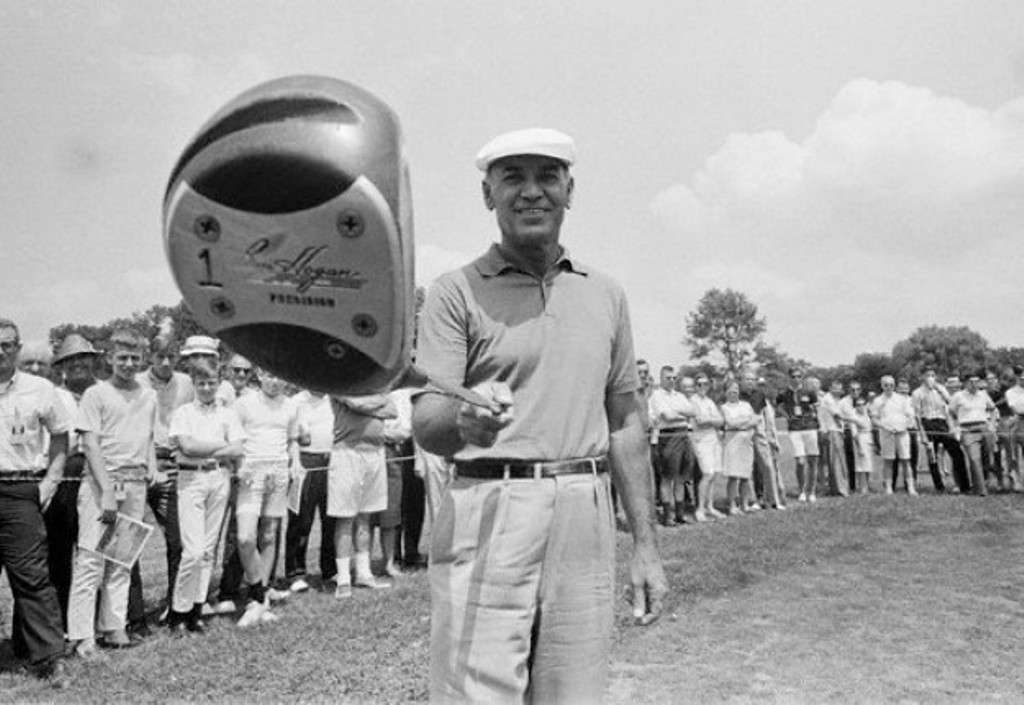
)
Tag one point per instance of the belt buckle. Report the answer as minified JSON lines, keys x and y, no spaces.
{"x":506,"y":471}
{"x":538,"y":471}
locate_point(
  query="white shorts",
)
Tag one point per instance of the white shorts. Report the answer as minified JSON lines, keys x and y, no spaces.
{"x":805,"y":443}
{"x":263,"y":488}
{"x":357,"y":482}
{"x":894,"y":445}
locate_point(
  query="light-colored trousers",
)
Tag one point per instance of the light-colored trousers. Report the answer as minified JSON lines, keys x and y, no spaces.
{"x":91,"y":573}
{"x":521,"y":585}
{"x":437,"y":473}
{"x":202,"y":501}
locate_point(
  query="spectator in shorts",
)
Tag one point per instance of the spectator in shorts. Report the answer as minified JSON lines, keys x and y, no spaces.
{"x":270,"y":422}
{"x":357,"y":484}
{"x":707,"y":447}
{"x":118,"y":418}
{"x":739,"y":420}
{"x":973,"y":409}
{"x":893,"y":415}
{"x":316,"y":434}
{"x":797,"y":403}
{"x":206,"y":438}
{"x":670,"y":410}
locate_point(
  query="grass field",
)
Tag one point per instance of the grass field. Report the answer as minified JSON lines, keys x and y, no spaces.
{"x":865,"y":600}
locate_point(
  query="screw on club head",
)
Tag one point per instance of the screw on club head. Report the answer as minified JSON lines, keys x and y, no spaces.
{"x":364,"y":325}
{"x":222,"y":307}
{"x":350,"y":223}
{"x":207,"y":228}
{"x":335,"y":350}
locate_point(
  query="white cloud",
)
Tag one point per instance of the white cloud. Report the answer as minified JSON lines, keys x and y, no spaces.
{"x":877,"y":210}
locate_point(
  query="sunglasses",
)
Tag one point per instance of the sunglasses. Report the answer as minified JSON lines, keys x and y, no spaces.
{"x":241,"y":370}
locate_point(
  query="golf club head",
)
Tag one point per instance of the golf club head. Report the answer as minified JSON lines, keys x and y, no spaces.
{"x":288,"y":228}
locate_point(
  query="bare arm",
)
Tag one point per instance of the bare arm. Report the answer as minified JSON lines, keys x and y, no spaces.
{"x":444,"y":426}
{"x":630,"y":460}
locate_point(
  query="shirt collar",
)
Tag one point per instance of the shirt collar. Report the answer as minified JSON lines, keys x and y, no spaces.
{"x":495,"y":262}
{"x":9,"y":384}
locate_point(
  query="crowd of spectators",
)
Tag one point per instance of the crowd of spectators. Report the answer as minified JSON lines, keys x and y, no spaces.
{"x":969,"y":428}
{"x":221,"y":452}
{"x":230,"y":458}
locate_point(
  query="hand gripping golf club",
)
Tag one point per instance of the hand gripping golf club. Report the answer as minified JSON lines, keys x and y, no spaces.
{"x":288,"y":228}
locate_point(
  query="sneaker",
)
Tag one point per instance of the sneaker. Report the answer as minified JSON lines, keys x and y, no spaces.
{"x":715,"y":513}
{"x":342,"y":591}
{"x":253,"y":614}
{"x":368,"y":581}
{"x":269,"y":617}
{"x":275,"y":595}
{"x":733,"y":511}
{"x":812,"y":497}
{"x":208,"y":610}
{"x":299,"y":585}
{"x":699,"y":516}
{"x":225,"y":607}
{"x":87,"y":649}
{"x":802,"y":497}
{"x":752,"y":508}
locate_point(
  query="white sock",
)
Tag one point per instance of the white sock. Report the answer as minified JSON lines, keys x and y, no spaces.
{"x":363,"y":564}
{"x":344,"y":576}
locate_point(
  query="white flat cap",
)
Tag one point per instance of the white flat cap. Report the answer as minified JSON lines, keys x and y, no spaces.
{"x":536,"y":140}
{"x":200,"y":345}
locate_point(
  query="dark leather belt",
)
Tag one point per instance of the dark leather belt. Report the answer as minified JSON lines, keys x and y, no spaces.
{"x":164,"y":453}
{"x":526,"y":470}
{"x":973,"y":425}
{"x":201,"y":466}
{"x":673,"y":429}
{"x":21,"y":475}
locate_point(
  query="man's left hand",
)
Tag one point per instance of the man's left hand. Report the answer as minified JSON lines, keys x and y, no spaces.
{"x":649,"y":585}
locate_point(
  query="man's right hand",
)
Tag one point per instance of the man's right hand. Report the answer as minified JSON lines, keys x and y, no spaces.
{"x":108,"y":506}
{"x":480,"y":426}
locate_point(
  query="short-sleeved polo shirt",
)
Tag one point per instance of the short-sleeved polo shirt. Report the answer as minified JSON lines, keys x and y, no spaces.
{"x":29,"y":408}
{"x":123,"y":421}
{"x":269,"y":423}
{"x":561,"y":343}
{"x":214,"y":423}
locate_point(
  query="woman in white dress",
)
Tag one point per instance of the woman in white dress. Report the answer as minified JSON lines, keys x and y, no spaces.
{"x":863,"y":446}
{"x":707,"y":447}
{"x":739,"y":420}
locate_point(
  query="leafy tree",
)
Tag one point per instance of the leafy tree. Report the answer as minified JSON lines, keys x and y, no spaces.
{"x":1005,"y":358}
{"x":868,"y":369}
{"x":949,"y":349}
{"x":775,"y":364}
{"x":146,"y":323}
{"x":725,"y":326}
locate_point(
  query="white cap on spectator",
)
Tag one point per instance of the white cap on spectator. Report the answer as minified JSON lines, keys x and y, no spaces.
{"x":200,"y":345}
{"x":536,"y":140}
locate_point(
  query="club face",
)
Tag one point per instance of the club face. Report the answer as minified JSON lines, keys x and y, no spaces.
{"x":288,"y":229}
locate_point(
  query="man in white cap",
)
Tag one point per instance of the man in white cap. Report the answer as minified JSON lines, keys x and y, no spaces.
{"x":523,"y":554}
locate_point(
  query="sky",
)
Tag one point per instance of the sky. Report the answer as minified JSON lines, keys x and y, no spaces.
{"x":856,"y":169}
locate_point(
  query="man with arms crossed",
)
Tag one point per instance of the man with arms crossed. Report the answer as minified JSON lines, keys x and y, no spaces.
{"x":28,"y":406}
{"x":670,"y":410}
{"x":206,"y":438}
{"x":522,"y":555}
{"x":117,"y":418}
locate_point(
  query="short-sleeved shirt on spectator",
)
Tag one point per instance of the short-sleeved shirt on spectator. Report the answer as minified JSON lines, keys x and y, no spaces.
{"x":269,"y":423}
{"x":799,"y":408}
{"x":123,"y":421}
{"x":212,"y":423}
{"x":29,"y":408}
